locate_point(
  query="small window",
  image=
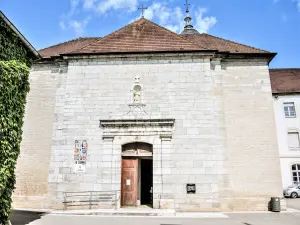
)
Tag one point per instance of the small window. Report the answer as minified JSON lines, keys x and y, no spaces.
{"x":296,"y":173}
{"x":289,"y":110}
{"x":293,"y":140}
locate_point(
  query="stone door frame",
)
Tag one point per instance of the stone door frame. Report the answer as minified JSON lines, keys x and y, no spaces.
{"x":157,"y":132}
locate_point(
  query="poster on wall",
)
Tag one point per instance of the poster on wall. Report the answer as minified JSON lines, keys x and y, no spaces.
{"x":80,"y":156}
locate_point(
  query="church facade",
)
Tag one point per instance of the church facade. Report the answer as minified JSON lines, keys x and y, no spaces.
{"x":181,"y":122}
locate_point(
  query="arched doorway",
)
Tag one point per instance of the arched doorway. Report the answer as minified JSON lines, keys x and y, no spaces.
{"x":137,"y":174}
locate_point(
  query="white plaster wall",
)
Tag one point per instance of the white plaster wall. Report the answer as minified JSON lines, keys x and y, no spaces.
{"x":286,"y":170}
{"x":288,"y":156}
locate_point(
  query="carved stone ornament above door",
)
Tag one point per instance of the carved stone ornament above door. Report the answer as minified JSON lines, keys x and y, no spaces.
{"x":137,"y":127}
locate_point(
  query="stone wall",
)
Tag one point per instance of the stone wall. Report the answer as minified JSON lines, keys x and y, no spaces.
{"x":33,"y":163}
{"x":253,"y":157}
{"x":223,"y":139}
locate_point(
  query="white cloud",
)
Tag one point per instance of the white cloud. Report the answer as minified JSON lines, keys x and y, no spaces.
{"x":67,"y":21}
{"x":204,"y":24}
{"x":78,"y":26}
{"x":88,"y":4}
{"x":173,"y":18}
{"x":160,"y":11}
{"x":297,"y":4}
{"x":74,"y":5}
{"x":103,"y":6}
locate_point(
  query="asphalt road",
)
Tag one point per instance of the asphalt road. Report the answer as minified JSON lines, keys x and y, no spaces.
{"x":24,"y":217}
{"x":293,"y":203}
{"x":234,"y":219}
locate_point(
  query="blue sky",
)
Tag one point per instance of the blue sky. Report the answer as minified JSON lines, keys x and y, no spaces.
{"x":273,"y":25}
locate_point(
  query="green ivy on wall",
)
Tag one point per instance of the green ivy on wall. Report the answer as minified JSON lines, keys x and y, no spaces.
{"x":11,"y":47}
{"x":14,"y":86}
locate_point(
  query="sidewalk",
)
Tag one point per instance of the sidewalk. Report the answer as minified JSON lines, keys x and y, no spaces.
{"x":143,"y":216}
{"x":149,"y":212}
{"x":200,"y":219}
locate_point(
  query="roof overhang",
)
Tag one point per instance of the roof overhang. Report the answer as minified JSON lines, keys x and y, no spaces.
{"x":137,"y":52}
{"x":23,"y":39}
{"x":268,"y":56}
{"x":225,"y":55}
{"x":197,"y":53}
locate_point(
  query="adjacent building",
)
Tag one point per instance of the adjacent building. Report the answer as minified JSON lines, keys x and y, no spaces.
{"x":286,"y":97}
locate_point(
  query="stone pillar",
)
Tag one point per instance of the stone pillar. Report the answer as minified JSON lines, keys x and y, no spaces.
{"x":163,"y":197}
{"x":167,"y":197}
{"x":107,"y":164}
{"x":111,"y":167}
{"x":157,"y":173}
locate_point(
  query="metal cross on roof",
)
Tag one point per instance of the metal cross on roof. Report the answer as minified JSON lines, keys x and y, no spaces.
{"x":143,"y":9}
{"x":187,"y":6}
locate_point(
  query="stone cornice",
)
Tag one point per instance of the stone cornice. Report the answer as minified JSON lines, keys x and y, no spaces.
{"x":137,"y":127}
{"x":138,"y":123}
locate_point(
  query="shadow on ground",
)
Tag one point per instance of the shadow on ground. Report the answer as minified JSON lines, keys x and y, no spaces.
{"x":20,"y":217}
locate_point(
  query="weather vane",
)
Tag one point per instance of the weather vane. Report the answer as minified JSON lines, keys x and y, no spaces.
{"x":143,"y":9}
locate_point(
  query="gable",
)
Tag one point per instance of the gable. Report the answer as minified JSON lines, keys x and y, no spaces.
{"x":140,"y":36}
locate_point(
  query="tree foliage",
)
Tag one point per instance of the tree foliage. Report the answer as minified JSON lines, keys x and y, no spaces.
{"x":14,"y":86}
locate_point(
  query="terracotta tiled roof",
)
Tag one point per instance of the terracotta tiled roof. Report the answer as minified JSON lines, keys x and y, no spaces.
{"x":146,"y":36}
{"x":215,"y":43}
{"x":285,"y":80}
{"x":68,"y":46}
{"x":140,"y":36}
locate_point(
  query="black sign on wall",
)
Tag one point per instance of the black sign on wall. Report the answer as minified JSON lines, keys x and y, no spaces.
{"x":191,"y":188}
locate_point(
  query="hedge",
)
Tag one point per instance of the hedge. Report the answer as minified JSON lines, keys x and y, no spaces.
{"x":14,"y":86}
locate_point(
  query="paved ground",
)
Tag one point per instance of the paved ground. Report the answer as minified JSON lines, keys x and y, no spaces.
{"x":24,"y":217}
{"x":234,"y":219}
{"x":37,"y":218}
{"x":293,"y":203}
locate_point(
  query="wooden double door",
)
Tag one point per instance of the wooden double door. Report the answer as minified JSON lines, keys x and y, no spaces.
{"x":137,"y":181}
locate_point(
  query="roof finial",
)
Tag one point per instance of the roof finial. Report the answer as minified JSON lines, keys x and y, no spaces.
{"x":188,"y":28}
{"x":187,"y":6}
{"x":143,"y":9}
{"x":187,"y":19}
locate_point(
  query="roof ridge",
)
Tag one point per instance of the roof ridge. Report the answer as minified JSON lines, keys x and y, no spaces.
{"x":115,"y":32}
{"x":105,"y":36}
{"x":178,"y":35}
{"x":65,"y":42}
{"x":234,"y":42}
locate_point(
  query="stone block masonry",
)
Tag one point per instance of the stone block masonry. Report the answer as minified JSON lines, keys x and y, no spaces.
{"x":223,"y":139}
